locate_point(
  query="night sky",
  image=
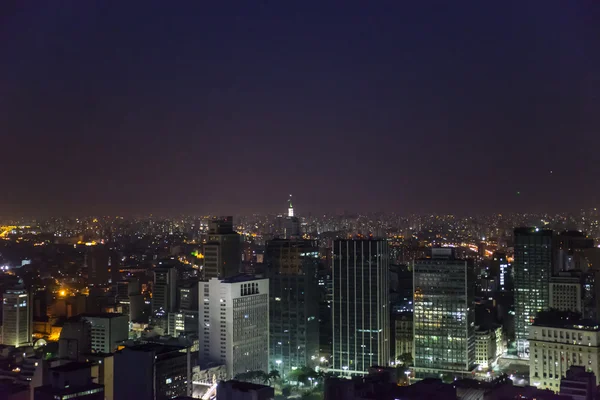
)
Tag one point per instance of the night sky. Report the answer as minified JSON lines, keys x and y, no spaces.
{"x":228,"y":106}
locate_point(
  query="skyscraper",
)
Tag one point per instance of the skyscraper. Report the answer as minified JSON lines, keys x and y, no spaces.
{"x":96,"y":262}
{"x":223,"y":250}
{"x":360,"y":306}
{"x":444,"y":319}
{"x":234,"y":323}
{"x":164,"y":291}
{"x":16,"y":318}
{"x":293,"y":303}
{"x":532,"y":271}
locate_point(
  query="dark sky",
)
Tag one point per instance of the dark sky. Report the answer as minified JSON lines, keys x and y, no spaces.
{"x":228,"y":106}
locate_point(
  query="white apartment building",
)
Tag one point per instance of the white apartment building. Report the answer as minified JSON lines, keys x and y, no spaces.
{"x":234,"y":323}
{"x":108,"y":331}
{"x":554,"y":348}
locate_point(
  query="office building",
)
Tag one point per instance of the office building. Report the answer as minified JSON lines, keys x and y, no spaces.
{"x":108,"y":331}
{"x":70,"y":381}
{"x":96,"y":263}
{"x":164,"y":291}
{"x":16,"y":318}
{"x":566,"y":292}
{"x":152,"y":371}
{"x":403,"y":325}
{"x":559,"y":341}
{"x":360,"y":306}
{"x":532,"y":272}
{"x":579,"y":384}
{"x":234,"y":323}
{"x":75,"y":339}
{"x":183,"y":323}
{"x":444,"y":321}
{"x":571,"y":248}
{"x":293,"y":303}
{"x":488,"y":346}
{"x":222,"y":250}
{"x":235,"y":390}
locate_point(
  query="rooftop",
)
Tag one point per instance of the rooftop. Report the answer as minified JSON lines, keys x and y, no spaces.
{"x":565,"y":320}
{"x":72,"y":366}
{"x":102,"y":315}
{"x":240,"y":278}
{"x":244,"y":386}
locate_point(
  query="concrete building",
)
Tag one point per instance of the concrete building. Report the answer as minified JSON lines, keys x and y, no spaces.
{"x":222,"y":250}
{"x":70,"y":381}
{"x":360,"y":306}
{"x":444,"y":320}
{"x":108,"y":331}
{"x":75,"y":339}
{"x":164,"y":291}
{"x":403,"y":324}
{"x":235,"y":390}
{"x":532,"y":271}
{"x":96,"y":263}
{"x":152,"y":371}
{"x":16,"y":318}
{"x":579,"y":384}
{"x":293,"y":303}
{"x":558,"y":343}
{"x":488,"y":346}
{"x":566,"y":292}
{"x":234,"y":323}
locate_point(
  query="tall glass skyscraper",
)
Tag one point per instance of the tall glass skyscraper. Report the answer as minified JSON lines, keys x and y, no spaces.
{"x":532,"y":271}
{"x":444,"y":319}
{"x":360,"y":306}
{"x":293,"y":303}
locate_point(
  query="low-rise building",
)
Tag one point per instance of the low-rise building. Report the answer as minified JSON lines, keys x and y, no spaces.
{"x":403,"y":324}
{"x":579,"y":384}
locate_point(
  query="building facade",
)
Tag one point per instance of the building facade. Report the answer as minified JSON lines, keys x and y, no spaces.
{"x":444,"y":321}
{"x":108,"y":331}
{"x":293,"y":303}
{"x":555,"y":347}
{"x":489,"y":345}
{"x":360,"y":306}
{"x":222,"y":250}
{"x":152,"y":371}
{"x":234,"y":323}
{"x":566,"y":292}
{"x":403,"y":324}
{"x":532,"y":272}
{"x":17,"y":318}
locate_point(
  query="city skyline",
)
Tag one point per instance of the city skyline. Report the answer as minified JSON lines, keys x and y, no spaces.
{"x":142,"y":108}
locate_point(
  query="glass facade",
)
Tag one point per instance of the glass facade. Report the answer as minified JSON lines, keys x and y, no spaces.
{"x":532,"y":272}
{"x":444,"y":323}
{"x":360,"y":305}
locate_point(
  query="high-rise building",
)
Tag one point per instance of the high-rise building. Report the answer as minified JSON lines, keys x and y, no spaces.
{"x":16,"y":318}
{"x":222,"y":250}
{"x":96,"y":262}
{"x":234,"y":323}
{"x":360,"y":306}
{"x":566,"y":292}
{"x":164,"y":291}
{"x":108,"y":331}
{"x":151,"y":371}
{"x":444,"y":318}
{"x":293,"y":304}
{"x":532,"y":272}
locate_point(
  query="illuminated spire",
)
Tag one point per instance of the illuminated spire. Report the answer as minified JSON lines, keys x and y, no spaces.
{"x":290,"y":208}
